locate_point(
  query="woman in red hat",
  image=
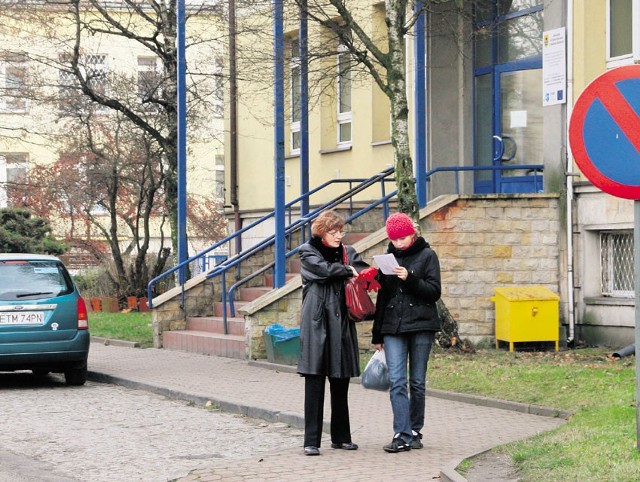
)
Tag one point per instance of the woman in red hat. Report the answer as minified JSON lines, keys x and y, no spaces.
{"x":405,"y":325}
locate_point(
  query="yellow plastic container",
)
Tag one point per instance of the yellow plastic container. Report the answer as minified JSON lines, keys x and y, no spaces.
{"x":526,"y":313}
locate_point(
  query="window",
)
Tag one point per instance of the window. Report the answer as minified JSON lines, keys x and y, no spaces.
{"x":622,"y":31}
{"x":13,"y":82}
{"x":13,"y":173}
{"x":344,"y":97}
{"x":219,"y":186}
{"x":218,"y":99}
{"x":149,"y":82}
{"x":294,"y":67}
{"x":617,"y":263}
{"x":94,"y":68}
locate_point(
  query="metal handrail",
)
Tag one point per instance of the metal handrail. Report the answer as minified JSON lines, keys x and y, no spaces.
{"x":456,"y":169}
{"x":299,"y":224}
{"x":304,"y":221}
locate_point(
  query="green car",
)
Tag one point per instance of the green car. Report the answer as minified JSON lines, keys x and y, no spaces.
{"x":44,"y":325}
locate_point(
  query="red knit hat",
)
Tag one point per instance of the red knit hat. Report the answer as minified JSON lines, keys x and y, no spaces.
{"x":399,"y":225}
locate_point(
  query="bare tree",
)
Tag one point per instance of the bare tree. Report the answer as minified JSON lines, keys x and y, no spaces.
{"x":115,"y":130}
{"x":105,"y":186}
{"x":382,"y":56}
{"x":149,"y":25}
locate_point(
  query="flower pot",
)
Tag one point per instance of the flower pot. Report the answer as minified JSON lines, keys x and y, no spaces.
{"x":132,"y":302}
{"x":110,"y":305}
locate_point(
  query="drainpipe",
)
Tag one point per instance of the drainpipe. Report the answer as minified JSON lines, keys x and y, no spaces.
{"x":420,"y":106}
{"x":233,"y":121}
{"x":304,"y":108}
{"x":570,"y":175}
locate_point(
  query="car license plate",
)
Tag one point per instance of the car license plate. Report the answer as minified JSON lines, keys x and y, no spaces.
{"x":22,"y":318}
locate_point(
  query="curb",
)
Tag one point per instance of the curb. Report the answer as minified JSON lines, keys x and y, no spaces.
{"x":232,"y":407}
{"x":109,"y":341}
{"x":448,"y":472}
{"x":454,"y":396}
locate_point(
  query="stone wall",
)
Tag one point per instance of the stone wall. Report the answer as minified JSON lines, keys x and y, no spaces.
{"x":483,"y":242}
{"x":171,"y":315}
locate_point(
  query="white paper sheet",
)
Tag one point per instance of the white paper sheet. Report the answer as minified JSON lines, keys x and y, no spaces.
{"x":386,"y":263}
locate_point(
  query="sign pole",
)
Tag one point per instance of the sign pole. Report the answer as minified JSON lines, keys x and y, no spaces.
{"x":605,"y":143}
{"x":636,"y":266}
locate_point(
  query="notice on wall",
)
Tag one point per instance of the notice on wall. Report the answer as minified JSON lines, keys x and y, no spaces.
{"x":554,"y":67}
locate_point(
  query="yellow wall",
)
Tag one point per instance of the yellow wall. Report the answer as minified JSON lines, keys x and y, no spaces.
{"x":589,"y":55}
{"x":370,"y":150}
{"x":37,"y":131}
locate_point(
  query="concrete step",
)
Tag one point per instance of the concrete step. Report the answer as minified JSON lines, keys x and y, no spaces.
{"x":253,"y":293}
{"x":217,"y":308}
{"x":205,"y":343}
{"x":215,"y":324}
{"x":288,"y":277}
{"x":293,"y":265}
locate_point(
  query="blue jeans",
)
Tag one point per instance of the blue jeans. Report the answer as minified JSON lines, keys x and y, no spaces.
{"x":408,"y":406}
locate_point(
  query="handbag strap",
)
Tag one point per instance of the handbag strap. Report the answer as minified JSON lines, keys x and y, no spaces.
{"x":345,"y":258}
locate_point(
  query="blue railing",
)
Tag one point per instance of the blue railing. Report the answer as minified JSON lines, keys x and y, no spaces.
{"x":301,"y":224}
{"x":355,"y":186}
{"x":536,"y":168}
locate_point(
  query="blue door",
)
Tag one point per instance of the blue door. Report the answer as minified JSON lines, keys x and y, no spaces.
{"x":508,"y":95}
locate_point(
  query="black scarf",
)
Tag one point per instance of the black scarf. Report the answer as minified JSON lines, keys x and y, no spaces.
{"x":332,"y":255}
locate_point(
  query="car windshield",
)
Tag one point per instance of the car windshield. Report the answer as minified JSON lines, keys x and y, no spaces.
{"x":30,"y":280}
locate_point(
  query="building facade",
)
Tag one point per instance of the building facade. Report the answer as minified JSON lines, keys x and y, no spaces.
{"x":41,"y":108}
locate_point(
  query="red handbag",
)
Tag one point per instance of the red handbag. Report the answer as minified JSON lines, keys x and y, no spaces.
{"x":359,"y":304}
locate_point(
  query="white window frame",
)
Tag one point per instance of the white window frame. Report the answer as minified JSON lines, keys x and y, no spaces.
{"x":10,"y":159}
{"x":294,"y":125}
{"x":148,"y":65}
{"x":11,"y":100}
{"x":218,"y":98}
{"x":634,"y":56}
{"x":346,"y":116}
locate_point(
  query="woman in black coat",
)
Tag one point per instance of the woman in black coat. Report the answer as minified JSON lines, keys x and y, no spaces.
{"x":328,"y":340}
{"x":405,"y":324}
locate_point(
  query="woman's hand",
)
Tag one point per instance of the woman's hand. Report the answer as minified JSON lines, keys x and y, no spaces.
{"x":401,"y":272}
{"x":353,"y":270}
{"x":379,"y":346}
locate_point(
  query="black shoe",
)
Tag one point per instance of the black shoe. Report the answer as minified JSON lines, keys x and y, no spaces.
{"x":345,"y":446}
{"x":416,"y":441}
{"x":397,"y":445}
{"x":311,"y":450}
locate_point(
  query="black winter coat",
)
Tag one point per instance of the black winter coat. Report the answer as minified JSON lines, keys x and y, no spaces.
{"x":328,"y":340}
{"x":409,"y":306}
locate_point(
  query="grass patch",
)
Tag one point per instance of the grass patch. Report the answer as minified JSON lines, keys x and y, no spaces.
{"x":597,"y":443}
{"x":132,"y":326}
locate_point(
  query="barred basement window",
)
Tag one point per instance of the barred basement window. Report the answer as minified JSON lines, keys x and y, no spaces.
{"x":617,"y":263}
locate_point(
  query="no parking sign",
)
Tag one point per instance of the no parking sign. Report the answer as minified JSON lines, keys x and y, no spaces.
{"x":604,"y":132}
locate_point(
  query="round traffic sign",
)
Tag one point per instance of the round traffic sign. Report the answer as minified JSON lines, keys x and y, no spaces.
{"x":604,"y":132}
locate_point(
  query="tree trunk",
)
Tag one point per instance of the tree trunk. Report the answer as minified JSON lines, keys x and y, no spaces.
{"x":397,"y":92}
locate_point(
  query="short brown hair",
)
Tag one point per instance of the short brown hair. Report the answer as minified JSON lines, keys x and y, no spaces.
{"x":325,"y":222}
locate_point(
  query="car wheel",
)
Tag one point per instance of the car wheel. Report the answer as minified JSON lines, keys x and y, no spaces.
{"x":76,"y":376}
{"x":40,"y":372}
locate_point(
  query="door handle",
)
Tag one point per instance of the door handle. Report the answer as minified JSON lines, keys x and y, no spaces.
{"x":498,"y":151}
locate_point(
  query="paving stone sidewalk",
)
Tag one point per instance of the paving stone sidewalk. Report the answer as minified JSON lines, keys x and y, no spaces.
{"x":456,"y":427}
